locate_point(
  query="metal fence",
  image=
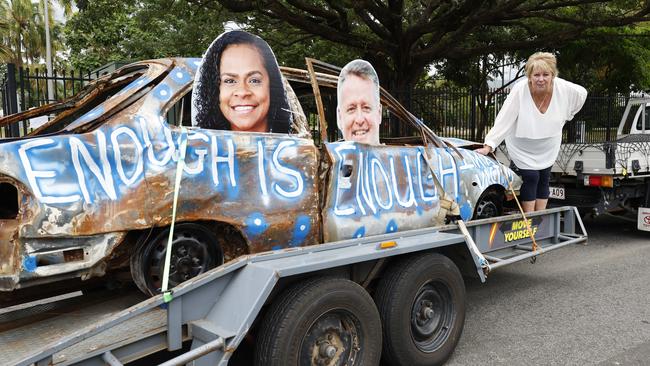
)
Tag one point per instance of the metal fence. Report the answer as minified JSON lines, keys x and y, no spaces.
{"x":23,"y":88}
{"x":465,"y":113}
{"x":468,"y":114}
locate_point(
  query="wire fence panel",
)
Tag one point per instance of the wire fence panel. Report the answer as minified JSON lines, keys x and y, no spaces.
{"x":466,"y":113}
{"x":23,"y":88}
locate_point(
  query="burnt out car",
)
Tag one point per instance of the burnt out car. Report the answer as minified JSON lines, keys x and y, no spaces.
{"x":90,"y":193}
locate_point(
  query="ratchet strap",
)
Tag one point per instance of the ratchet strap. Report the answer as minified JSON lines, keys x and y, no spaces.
{"x":167,"y":294}
{"x":448,"y":205}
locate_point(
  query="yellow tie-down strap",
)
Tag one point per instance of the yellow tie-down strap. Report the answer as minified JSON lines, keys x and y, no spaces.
{"x":167,"y":295}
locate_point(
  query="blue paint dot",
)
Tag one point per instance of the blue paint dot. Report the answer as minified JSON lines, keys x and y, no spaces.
{"x":180,"y":76}
{"x":29,"y":263}
{"x":276,"y":247}
{"x":391,"y":227}
{"x":360,"y":232}
{"x":300,"y":230}
{"x":466,"y":211}
{"x":162,"y":92}
{"x":419,"y":210}
{"x":256,"y":224}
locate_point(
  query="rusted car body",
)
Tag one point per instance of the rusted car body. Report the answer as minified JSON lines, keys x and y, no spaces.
{"x":85,"y":193}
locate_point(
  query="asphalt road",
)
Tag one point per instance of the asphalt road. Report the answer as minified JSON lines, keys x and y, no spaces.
{"x":580,"y":305}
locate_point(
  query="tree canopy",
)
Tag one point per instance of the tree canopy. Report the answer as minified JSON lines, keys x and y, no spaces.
{"x":468,"y":41}
{"x":613,"y":61}
{"x":106,"y":30}
{"x":402,"y":37}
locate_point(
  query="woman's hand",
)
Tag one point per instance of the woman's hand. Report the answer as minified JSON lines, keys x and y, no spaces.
{"x":484,"y":150}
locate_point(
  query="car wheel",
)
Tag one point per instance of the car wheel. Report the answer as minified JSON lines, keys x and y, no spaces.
{"x":489,"y":205}
{"x":320,"y":321}
{"x":195,"y":250}
{"x":421,"y":301}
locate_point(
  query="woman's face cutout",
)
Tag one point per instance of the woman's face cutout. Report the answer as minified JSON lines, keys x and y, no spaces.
{"x":244,"y":88}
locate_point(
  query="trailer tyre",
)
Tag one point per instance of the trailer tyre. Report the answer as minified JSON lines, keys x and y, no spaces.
{"x":421,"y":301}
{"x":320,"y":321}
{"x":195,"y":249}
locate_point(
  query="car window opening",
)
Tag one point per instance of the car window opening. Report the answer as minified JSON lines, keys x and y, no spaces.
{"x":9,"y":208}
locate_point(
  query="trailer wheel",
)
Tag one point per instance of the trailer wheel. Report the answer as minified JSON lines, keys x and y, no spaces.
{"x":421,"y":301}
{"x":489,"y":205}
{"x":320,"y":322}
{"x":195,"y":250}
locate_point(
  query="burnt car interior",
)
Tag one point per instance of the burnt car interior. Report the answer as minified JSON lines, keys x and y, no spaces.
{"x":65,"y":113}
{"x":180,"y":113}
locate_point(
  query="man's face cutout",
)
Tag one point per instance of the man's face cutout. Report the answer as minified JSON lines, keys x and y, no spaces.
{"x":359,"y":112}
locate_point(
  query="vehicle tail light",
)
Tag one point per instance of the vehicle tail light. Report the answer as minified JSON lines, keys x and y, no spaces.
{"x":599,"y":181}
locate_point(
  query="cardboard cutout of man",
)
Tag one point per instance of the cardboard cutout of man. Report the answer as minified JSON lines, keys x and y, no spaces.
{"x":358,"y":108}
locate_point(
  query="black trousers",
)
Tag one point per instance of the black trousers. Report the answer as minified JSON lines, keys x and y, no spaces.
{"x":535,"y":183}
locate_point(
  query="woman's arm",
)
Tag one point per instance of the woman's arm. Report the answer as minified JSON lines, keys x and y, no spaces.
{"x":577,"y":97}
{"x":506,"y":119}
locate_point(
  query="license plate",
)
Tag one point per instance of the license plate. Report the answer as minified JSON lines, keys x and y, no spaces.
{"x":556,"y":193}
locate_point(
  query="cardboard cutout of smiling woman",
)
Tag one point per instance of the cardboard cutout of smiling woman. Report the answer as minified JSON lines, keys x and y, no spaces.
{"x":238,"y":87}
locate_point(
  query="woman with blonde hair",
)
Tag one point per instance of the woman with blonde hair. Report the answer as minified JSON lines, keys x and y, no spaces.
{"x":530,"y":121}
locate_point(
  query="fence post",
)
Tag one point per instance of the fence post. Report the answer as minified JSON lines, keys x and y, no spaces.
{"x":609,"y":115}
{"x":12,"y":100}
{"x":473,"y":113}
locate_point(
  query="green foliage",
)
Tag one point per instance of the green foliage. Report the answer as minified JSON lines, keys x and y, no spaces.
{"x":609,"y":60}
{"x":22,"y":24}
{"x":402,"y":38}
{"x":292,"y":45}
{"x":467,"y":41}
{"x":104,"y":31}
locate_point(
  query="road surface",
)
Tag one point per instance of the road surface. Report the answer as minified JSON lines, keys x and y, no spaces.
{"x":581,"y":305}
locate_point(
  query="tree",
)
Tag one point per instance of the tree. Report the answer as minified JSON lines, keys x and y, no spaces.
{"x":622,"y":65}
{"x":21,"y":36}
{"x":5,"y":50}
{"x":104,"y":31}
{"x":22,"y":30}
{"x":401,"y":38}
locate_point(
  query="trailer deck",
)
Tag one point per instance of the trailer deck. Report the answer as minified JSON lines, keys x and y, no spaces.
{"x":216,"y":310}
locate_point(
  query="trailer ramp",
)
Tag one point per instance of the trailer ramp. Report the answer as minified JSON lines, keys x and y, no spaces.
{"x":505,"y":240}
{"x":216,"y":309}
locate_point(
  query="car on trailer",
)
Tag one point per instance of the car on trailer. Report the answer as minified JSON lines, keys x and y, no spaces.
{"x":90,"y":192}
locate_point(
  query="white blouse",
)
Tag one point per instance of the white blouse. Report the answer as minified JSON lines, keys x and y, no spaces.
{"x":533,"y":138}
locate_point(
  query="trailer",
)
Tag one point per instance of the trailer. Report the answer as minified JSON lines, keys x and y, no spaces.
{"x":397,"y":296}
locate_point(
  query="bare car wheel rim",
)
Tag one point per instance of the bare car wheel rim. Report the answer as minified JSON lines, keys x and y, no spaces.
{"x":190,"y":257}
{"x":332,"y":340}
{"x":486,"y":209}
